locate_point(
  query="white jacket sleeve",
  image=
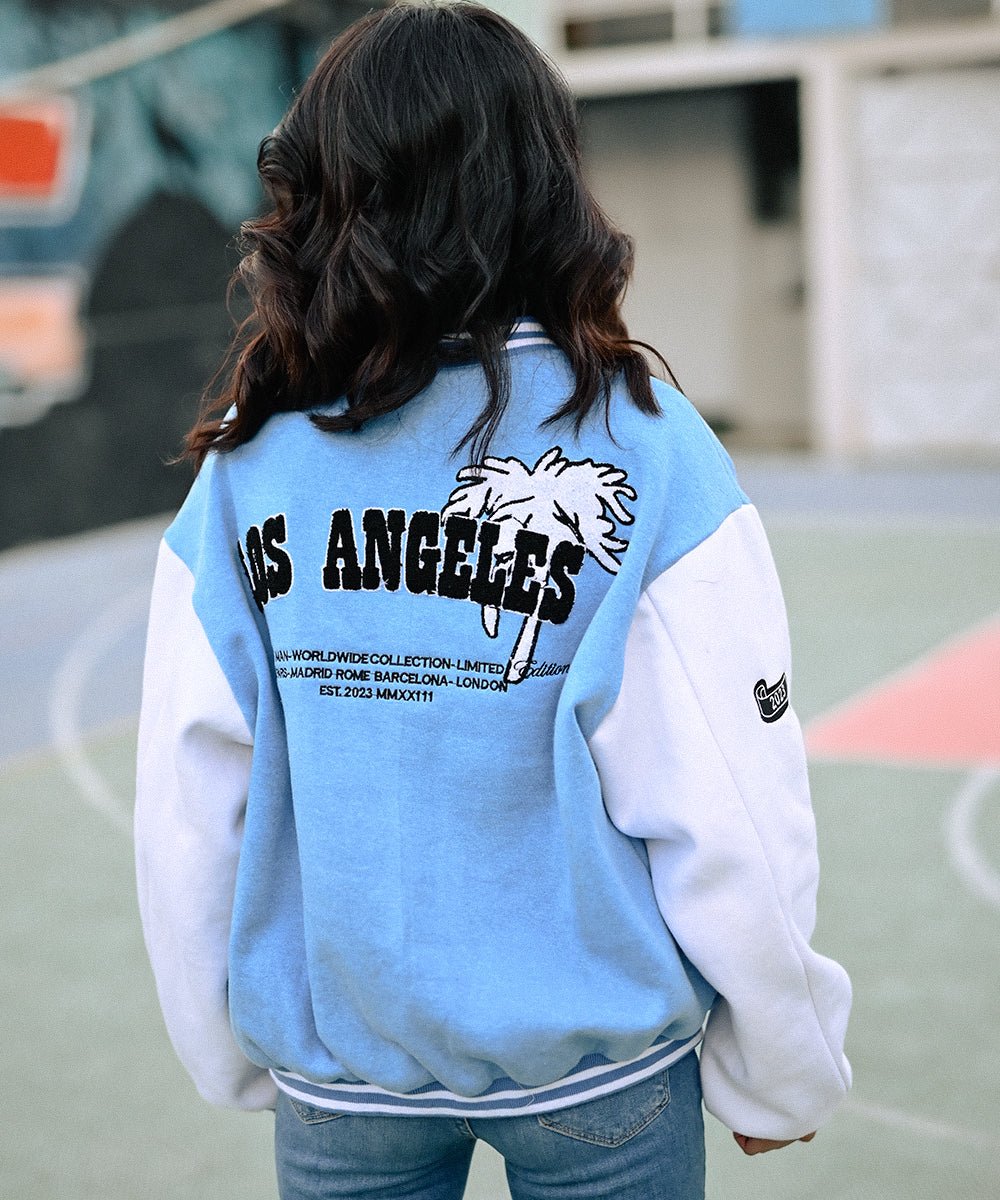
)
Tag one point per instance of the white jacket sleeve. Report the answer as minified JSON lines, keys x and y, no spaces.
{"x":702,"y":758}
{"x":191,"y":788}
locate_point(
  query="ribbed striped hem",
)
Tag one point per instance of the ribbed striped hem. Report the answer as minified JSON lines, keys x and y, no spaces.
{"x":525,"y":332}
{"x":594,"y":1076}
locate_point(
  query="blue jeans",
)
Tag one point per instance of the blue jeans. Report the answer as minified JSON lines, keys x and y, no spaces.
{"x":645,"y":1142}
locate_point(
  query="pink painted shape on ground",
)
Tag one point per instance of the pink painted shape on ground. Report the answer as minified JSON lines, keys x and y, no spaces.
{"x":944,"y":710}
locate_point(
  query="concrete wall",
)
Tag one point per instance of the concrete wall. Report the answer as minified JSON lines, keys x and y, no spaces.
{"x":927,"y":223}
{"x":718,"y":292}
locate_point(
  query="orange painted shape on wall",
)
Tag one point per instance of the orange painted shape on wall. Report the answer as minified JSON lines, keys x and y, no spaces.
{"x":29,"y":155}
{"x":35,"y":140}
{"x":942,"y":711}
{"x":41,"y":342}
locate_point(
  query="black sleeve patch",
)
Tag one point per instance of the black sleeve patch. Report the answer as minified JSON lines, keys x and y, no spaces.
{"x":771,"y":700}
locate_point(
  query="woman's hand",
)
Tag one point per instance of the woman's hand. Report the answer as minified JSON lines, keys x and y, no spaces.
{"x":752,"y":1145}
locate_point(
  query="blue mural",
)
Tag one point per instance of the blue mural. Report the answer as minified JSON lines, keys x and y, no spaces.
{"x":112,"y":298}
{"x":188,"y":122}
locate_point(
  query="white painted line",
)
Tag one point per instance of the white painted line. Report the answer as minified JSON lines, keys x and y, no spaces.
{"x":38,"y":757}
{"x":978,"y":875}
{"x":920,"y":1126}
{"x":138,"y":46}
{"x":74,"y":679}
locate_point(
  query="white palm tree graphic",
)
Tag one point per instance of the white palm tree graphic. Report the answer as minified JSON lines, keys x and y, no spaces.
{"x":567,"y":501}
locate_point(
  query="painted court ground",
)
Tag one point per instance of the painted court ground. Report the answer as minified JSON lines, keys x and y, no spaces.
{"x":892,"y":581}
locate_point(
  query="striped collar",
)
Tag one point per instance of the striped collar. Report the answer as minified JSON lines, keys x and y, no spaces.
{"x":525,"y":332}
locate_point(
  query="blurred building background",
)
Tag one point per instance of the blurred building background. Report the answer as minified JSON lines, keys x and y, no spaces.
{"x":814,"y":189}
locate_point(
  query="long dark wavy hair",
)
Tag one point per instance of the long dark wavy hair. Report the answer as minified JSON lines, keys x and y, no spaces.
{"x":426,"y":181}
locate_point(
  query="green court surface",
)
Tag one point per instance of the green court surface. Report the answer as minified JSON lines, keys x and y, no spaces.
{"x":94,"y":1106}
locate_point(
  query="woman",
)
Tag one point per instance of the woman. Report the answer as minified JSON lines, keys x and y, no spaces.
{"x":468,"y":784}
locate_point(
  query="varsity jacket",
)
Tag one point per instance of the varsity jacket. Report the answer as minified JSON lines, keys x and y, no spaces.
{"x":476,"y":787}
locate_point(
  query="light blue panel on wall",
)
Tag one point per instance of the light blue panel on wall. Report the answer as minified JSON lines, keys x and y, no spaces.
{"x":817,"y":16}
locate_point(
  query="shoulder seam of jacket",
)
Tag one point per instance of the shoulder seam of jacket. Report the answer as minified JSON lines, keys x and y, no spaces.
{"x":701,"y":541}
{"x":208,"y":641}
